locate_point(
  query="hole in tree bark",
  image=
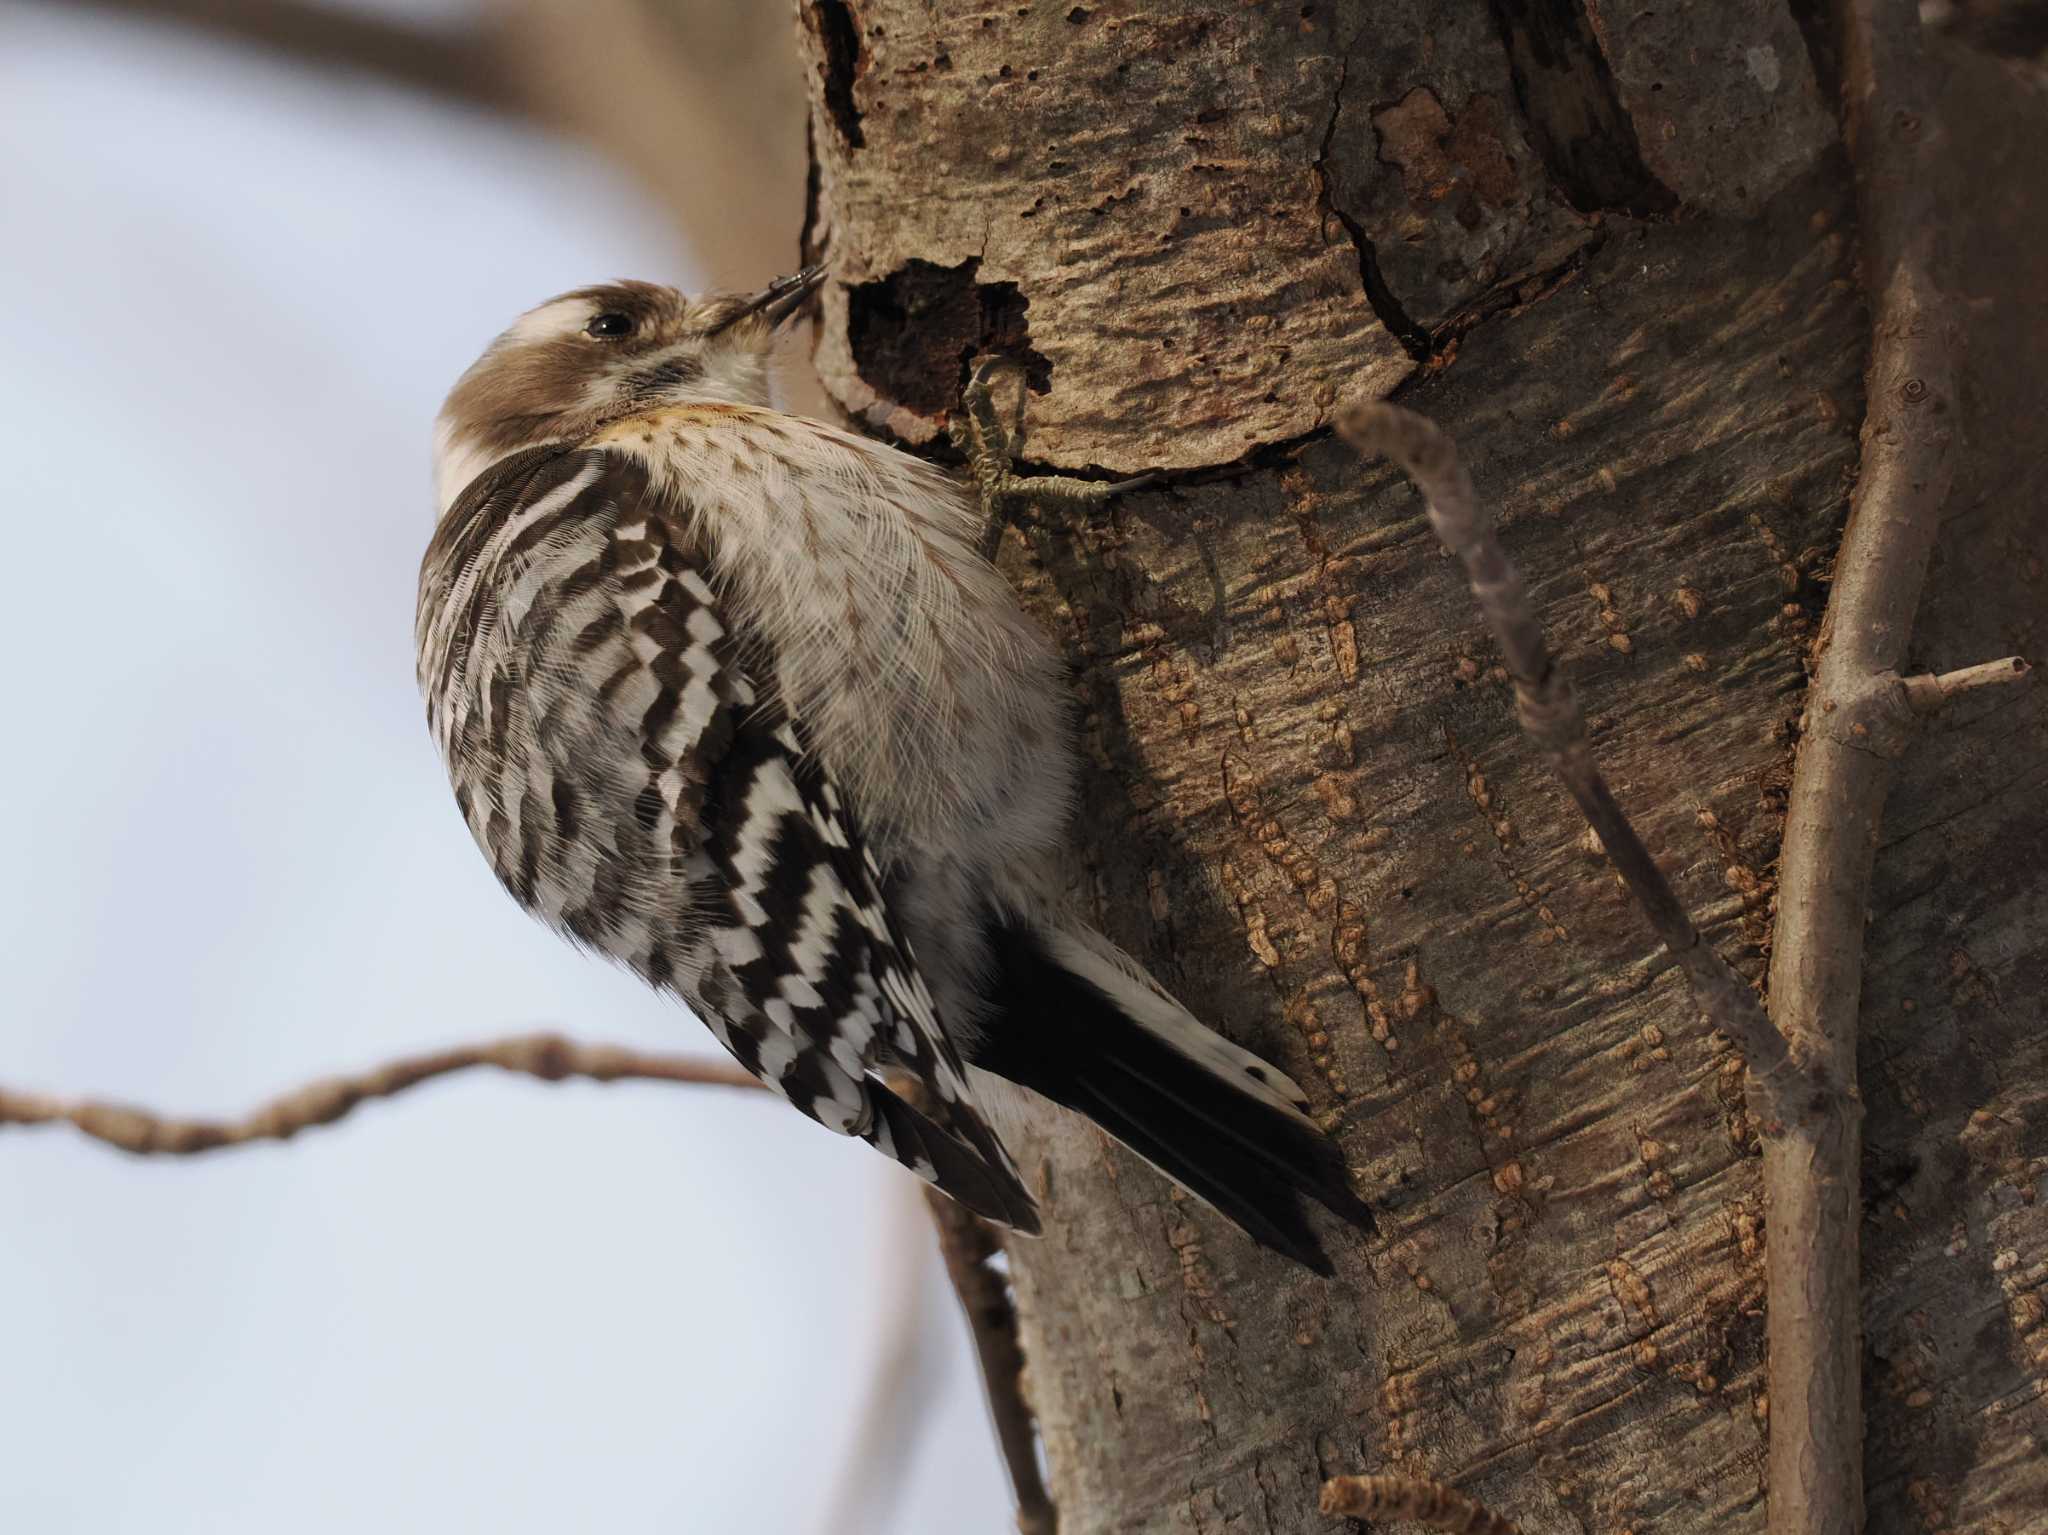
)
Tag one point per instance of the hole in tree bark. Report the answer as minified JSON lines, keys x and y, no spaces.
{"x":1575,"y":119}
{"x":914,"y":333}
{"x":839,"y":39}
{"x":811,"y":243}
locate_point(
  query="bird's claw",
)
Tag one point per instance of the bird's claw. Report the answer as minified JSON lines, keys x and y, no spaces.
{"x":990,"y":449}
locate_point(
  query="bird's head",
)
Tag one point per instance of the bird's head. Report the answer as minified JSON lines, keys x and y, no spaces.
{"x":593,"y":356}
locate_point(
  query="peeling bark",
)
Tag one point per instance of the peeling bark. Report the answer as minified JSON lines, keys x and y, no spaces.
{"x":1309,"y":807}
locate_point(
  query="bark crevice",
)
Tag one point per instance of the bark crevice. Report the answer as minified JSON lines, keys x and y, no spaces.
{"x":1413,"y":338}
{"x":1575,"y":117}
{"x":838,"y":33}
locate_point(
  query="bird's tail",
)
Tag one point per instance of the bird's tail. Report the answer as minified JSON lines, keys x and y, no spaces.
{"x":1081,"y":1025}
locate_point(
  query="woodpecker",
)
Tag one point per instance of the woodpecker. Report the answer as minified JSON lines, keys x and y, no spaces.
{"x":734,"y":697}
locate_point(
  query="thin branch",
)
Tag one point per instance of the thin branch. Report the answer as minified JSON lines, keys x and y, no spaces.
{"x":1550,"y":713}
{"x":556,"y":1058}
{"x":550,"y":1057}
{"x":969,"y":1245}
{"x":1859,"y":720}
{"x":1928,"y":694}
{"x":1405,"y":1497}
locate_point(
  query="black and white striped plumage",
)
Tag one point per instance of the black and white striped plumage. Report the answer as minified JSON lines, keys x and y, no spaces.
{"x":729,"y":696}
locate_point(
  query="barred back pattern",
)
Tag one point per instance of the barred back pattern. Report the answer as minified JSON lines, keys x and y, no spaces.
{"x":627,"y":762}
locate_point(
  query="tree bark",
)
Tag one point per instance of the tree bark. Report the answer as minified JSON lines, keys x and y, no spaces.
{"x":1613,"y":254}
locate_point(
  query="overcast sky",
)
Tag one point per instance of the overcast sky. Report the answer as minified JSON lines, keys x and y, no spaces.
{"x":233,"y":296}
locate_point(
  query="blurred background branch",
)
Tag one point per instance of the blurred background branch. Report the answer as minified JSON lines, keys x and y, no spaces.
{"x":700,"y":100}
{"x":461,"y":62}
{"x":971,"y":1248}
{"x":902,"y":1392}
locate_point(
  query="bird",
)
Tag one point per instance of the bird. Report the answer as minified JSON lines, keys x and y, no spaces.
{"x":735,"y":698}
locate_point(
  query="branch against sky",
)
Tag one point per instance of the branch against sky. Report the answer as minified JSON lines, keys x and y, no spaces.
{"x":549,"y":1057}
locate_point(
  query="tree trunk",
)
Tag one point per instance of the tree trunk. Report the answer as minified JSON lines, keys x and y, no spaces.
{"x":1609,"y":250}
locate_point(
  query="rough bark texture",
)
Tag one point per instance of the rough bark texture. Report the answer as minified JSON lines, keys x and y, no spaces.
{"x":1625,"y":281}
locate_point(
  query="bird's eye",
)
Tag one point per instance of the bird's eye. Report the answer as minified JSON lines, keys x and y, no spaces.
{"x":610,"y":326}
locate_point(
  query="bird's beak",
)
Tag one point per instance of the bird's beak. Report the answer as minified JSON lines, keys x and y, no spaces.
{"x":780,"y":299}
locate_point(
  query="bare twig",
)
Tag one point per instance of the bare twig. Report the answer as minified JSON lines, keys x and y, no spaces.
{"x":1858,"y":723}
{"x":969,"y":1246}
{"x":1550,"y":713}
{"x":550,"y":1057}
{"x":1405,"y":1497}
{"x":1928,"y":693}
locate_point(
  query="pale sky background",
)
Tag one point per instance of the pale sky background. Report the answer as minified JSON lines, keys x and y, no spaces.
{"x":231,"y":297}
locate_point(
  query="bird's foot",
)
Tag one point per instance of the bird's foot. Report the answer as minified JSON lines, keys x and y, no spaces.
{"x":990,"y":447}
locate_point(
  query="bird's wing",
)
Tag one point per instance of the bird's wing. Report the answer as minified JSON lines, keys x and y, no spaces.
{"x":684,"y":825}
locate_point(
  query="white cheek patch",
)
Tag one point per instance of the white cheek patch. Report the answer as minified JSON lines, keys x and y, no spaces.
{"x":550,"y":322}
